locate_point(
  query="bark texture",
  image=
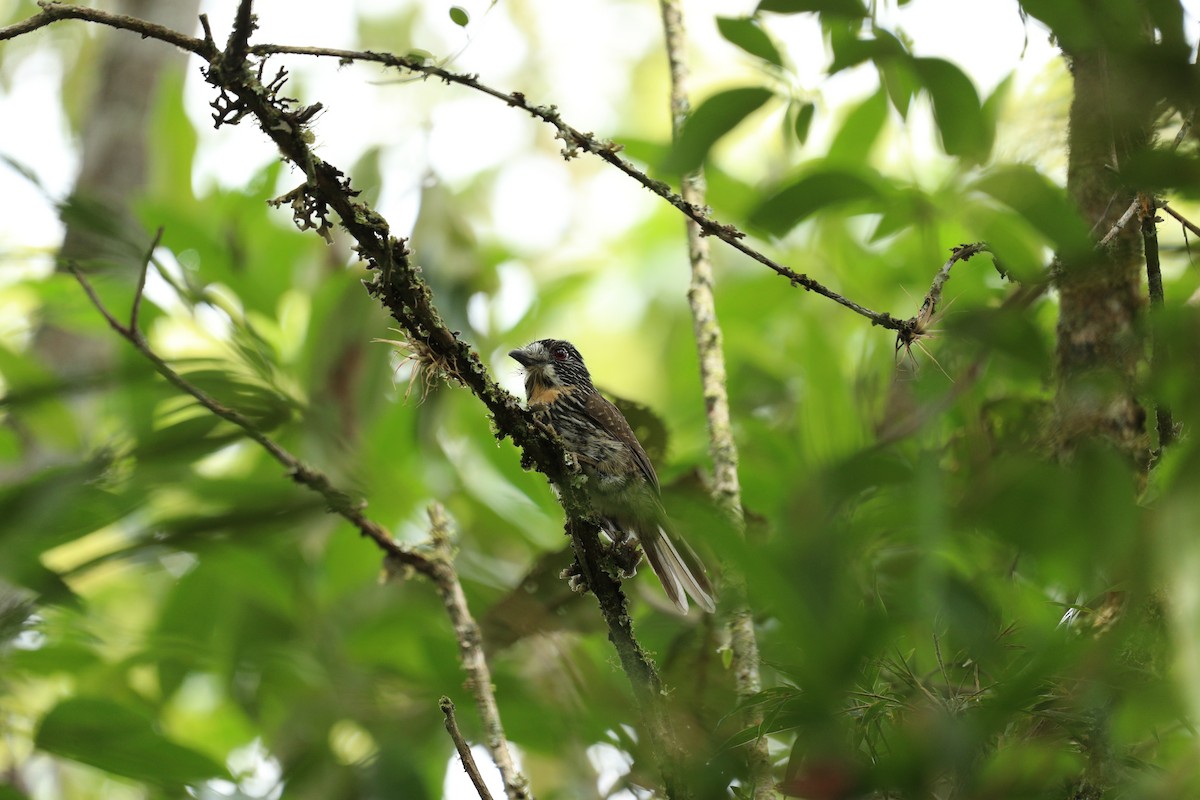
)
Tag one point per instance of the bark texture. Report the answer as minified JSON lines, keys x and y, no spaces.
{"x":1099,"y":341}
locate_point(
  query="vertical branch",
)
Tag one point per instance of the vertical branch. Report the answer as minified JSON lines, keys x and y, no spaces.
{"x":726,"y":488}
{"x":470,"y":652}
{"x":244,"y":23}
{"x":1158,"y":354}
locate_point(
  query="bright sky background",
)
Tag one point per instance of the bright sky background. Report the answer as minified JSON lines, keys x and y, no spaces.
{"x":576,"y":37}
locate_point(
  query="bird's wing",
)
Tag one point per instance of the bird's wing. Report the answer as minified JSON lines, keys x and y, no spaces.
{"x":609,"y":417}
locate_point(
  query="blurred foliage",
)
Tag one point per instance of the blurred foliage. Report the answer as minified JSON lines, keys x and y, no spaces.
{"x":175,"y":612}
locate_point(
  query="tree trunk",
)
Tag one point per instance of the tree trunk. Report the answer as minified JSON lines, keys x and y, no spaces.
{"x":113,"y":167}
{"x":1099,"y":342}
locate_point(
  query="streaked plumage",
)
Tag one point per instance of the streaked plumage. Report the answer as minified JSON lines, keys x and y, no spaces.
{"x":622,"y":485}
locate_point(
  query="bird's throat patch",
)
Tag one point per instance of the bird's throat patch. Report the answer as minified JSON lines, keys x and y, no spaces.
{"x":541,"y":394}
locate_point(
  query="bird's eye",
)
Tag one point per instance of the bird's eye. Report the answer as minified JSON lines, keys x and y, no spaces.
{"x":559,"y":353}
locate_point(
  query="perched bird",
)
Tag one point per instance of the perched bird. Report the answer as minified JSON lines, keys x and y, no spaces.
{"x":622,"y":486}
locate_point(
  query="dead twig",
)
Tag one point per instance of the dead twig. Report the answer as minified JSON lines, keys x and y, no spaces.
{"x":464,"y":749}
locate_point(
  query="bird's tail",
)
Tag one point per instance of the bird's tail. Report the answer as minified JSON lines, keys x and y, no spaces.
{"x":678,"y":569}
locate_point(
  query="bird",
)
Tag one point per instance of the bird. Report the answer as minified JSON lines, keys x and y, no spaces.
{"x":622,"y":486}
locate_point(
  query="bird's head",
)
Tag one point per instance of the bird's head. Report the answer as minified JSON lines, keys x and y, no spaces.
{"x":551,"y":364}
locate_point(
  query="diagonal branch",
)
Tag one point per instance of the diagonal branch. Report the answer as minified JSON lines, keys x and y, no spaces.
{"x":576,"y":141}
{"x":398,"y":285}
{"x":1121,"y":222}
{"x":635,"y":662}
{"x":54,"y":11}
{"x":920,"y":322}
{"x":437,"y":568}
{"x":1182,"y":220}
{"x":464,"y":749}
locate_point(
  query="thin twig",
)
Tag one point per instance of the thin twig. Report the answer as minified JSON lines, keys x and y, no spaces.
{"x":726,"y":488}
{"x":399,"y":286}
{"x":464,"y":749}
{"x":53,"y":12}
{"x":437,"y":568}
{"x":136,"y":308}
{"x":1185,"y":125}
{"x":919,"y":325}
{"x":470,"y":653}
{"x":339,"y":502}
{"x":1184,"y":221}
{"x":1121,"y":223}
{"x":575,"y":141}
{"x":208,"y":34}
{"x":961,"y":253}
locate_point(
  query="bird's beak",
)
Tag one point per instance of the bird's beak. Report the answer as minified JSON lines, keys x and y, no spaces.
{"x":521,"y":357}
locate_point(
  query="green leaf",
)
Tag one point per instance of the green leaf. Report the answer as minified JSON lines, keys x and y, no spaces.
{"x":849,"y":50}
{"x":837,"y":8}
{"x":1044,"y":205}
{"x":24,"y":170}
{"x":1014,"y":335}
{"x":459,"y":16}
{"x":715,"y":117}
{"x":904,"y":210}
{"x":174,"y":150}
{"x":823,"y":189}
{"x":859,"y":132}
{"x":1016,"y":247}
{"x":993,"y":105}
{"x":897,"y":77}
{"x":803,"y":120}
{"x":956,"y":108}
{"x":1160,"y":169}
{"x":123,"y":741}
{"x":746,"y":33}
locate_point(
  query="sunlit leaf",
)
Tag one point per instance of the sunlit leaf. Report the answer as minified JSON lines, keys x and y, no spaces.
{"x":850,"y":50}
{"x":956,"y":108}
{"x":714,"y":118}
{"x":859,"y":131}
{"x":748,"y":34}
{"x":838,"y":8}
{"x":899,"y":81}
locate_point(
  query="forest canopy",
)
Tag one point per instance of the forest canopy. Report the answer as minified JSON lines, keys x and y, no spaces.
{"x":906,"y":330}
